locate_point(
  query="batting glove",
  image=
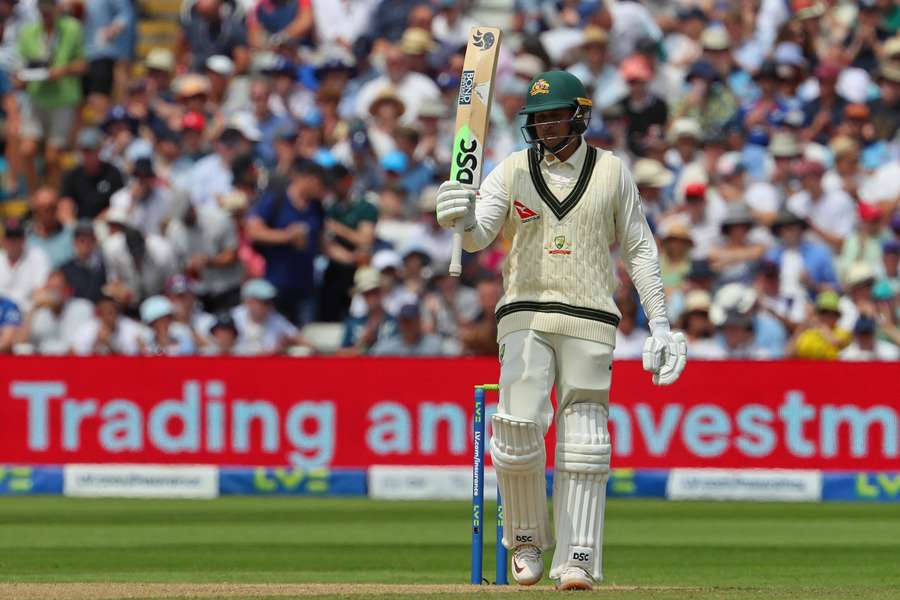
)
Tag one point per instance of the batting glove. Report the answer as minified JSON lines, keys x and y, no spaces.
{"x":455,"y":202}
{"x":665,"y":353}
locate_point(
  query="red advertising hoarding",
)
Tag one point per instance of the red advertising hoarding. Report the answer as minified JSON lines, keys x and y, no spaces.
{"x":360,"y":412}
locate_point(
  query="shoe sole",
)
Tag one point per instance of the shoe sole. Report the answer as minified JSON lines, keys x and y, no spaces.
{"x":575,"y":586}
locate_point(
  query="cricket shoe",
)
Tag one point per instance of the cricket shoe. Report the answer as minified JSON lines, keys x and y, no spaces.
{"x":575,"y":578}
{"x":527,"y":564}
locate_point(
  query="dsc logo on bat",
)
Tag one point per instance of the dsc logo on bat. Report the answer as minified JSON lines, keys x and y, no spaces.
{"x":466,"y":161}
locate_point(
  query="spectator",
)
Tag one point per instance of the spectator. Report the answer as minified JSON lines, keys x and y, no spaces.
{"x":644,"y":112}
{"x":414,"y":89}
{"x":434,"y":241}
{"x":270,"y":125}
{"x":23,"y":269}
{"x":629,"y":336}
{"x":363,"y":332}
{"x":674,"y":259}
{"x":236,"y":204}
{"x":803,"y":264}
{"x":261,"y":329}
{"x":864,"y":243}
{"x":736,"y":338}
{"x":188,"y":316}
{"x":698,"y":328}
{"x":53,"y":87}
{"x":740,"y":247}
{"x":789,"y":307}
{"x":46,"y":231}
{"x":348,"y":242}
{"x":652,"y":179}
{"x":479,"y":337}
{"x":210,"y":27}
{"x":411,"y":340}
{"x":831,"y":214}
{"x":137,"y":266}
{"x":146,"y":200}
{"x":859,"y":280}
{"x":599,"y":76}
{"x":88,"y":187}
{"x":106,"y":43}
{"x":211,"y":177}
{"x":709,"y":101}
{"x":52,"y":324}
{"x":108,"y":332}
{"x":85,"y":272}
{"x":821,"y":338}
{"x":222,"y":337}
{"x":287,"y":226}
{"x":704,"y":218}
{"x":865,"y":346}
{"x":448,"y":306}
{"x":10,"y":324}
{"x":162,"y":338}
{"x":207,"y":243}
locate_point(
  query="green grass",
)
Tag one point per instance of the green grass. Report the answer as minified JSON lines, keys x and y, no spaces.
{"x":716,"y":550}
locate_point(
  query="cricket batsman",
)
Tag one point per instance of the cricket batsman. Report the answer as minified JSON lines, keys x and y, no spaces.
{"x":562,"y":203}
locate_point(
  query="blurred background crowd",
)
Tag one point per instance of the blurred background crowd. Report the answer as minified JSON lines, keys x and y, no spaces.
{"x":259,"y":176}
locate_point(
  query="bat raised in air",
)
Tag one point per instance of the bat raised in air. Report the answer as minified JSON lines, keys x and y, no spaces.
{"x":473,"y":109}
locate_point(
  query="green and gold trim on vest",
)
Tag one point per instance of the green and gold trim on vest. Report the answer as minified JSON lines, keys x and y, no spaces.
{"x":580,"y":312}
{"x":564,"y":207}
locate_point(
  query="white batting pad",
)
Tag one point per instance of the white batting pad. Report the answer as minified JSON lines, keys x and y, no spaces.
{"x":579,"y":488}
{"x":517,"y":450}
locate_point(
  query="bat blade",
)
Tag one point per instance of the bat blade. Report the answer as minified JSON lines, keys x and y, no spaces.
{"x":473,"y":109}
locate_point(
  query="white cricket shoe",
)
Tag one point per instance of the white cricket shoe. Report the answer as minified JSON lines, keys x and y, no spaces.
{"x":527,"y":564}
{"x":575,"y":578}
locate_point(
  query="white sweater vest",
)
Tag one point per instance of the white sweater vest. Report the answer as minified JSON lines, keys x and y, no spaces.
{"x":558,"y":277}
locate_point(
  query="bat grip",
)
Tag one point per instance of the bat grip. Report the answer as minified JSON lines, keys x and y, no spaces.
{"x":456,"y":251}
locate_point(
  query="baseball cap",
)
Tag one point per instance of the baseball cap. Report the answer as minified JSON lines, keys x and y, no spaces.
{"x":224,"y":320}
{"x":808,"y":167}
{"x":193,"y":121}
{"x":245,"y":123}
{"x":143,"y":168}
{"x":394,"y":162}
{"x":155,"y":308}
{"x":696,"y":189}
{"x":828,"y":301}
{"x":386,"y":259}
{"x":789,"y":53}
{"x":90,"y":138}
{"x":258,"y":289}
{"x":702,"y":69}
{"x":84,"y":226}
{"x":864,"y":326}
{"x":409,"y":312}
{"x":869,"y":212}
{"x":13,"y":228}
{"x":882,"y":290}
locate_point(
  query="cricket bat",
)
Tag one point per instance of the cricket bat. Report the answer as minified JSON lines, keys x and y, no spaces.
{"x":473,"y":109}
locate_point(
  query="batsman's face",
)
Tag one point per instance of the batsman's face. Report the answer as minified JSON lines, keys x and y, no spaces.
{"x":553,"y":123}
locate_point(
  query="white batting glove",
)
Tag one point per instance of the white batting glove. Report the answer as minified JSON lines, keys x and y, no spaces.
{"x":455,"y":202}
{"x":665,"y":353}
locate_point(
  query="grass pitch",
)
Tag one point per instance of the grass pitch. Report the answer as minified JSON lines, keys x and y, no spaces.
{"x":352,"y":548}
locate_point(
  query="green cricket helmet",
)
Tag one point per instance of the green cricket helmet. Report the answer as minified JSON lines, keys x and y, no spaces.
{"x":553,"y":90}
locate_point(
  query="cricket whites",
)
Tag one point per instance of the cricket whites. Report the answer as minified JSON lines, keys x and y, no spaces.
{"x":473,"y":109}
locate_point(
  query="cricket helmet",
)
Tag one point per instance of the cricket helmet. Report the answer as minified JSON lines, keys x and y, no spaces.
{"x":552,"y":90}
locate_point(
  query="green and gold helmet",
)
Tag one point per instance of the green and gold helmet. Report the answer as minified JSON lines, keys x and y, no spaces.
{"x":552,"y":90}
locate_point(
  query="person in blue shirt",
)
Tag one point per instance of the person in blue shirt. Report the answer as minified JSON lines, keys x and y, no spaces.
{"x":286,"y":226}
{"x":804,"y":264}
{"x":10,"y":321}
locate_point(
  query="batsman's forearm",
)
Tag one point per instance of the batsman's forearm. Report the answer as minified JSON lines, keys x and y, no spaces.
{"x":491,"y":206}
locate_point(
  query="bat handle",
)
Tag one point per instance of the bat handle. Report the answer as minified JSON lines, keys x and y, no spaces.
{"x":456,"y":253}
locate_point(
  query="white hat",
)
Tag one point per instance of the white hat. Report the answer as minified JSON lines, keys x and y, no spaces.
{"x":853,"y":85}
{"x":258,"y":289}
{"x":155,"y":308}
{"x":697,"y":300}
{"x":246,"y":124}
{"x":117,"y":214}
{"x":218,"y":63}
{"x":733,"y":297}
{"x":859,"y":272}
{"x":685,"y":126}
{"x":160,"y":59}
{"x":652,"y":173}
{"x":366,"y":280}
{"x":527,"y":65}
{"x":386,"y":259}
{"x":715,"y":37}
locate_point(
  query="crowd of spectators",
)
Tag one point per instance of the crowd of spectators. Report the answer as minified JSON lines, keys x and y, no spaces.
{"x":277,"y":169}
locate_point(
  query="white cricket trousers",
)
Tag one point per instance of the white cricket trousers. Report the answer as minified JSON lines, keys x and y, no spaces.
{"x":531,"y":364}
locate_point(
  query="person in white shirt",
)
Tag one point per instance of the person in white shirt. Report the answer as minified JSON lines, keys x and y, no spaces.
{"x":262,"y":329}
{"x":866,"y":347}
{"x":147,"y":201}
{"x":561,"y":205}
{"x":831,"y":214}
{"x":598,"y":74}
{"x":23,"y":269}
{"x":55,"y":318}
{"x":210,"y":178}
{"x":108,"y":332}
{"x":413,"y":88}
